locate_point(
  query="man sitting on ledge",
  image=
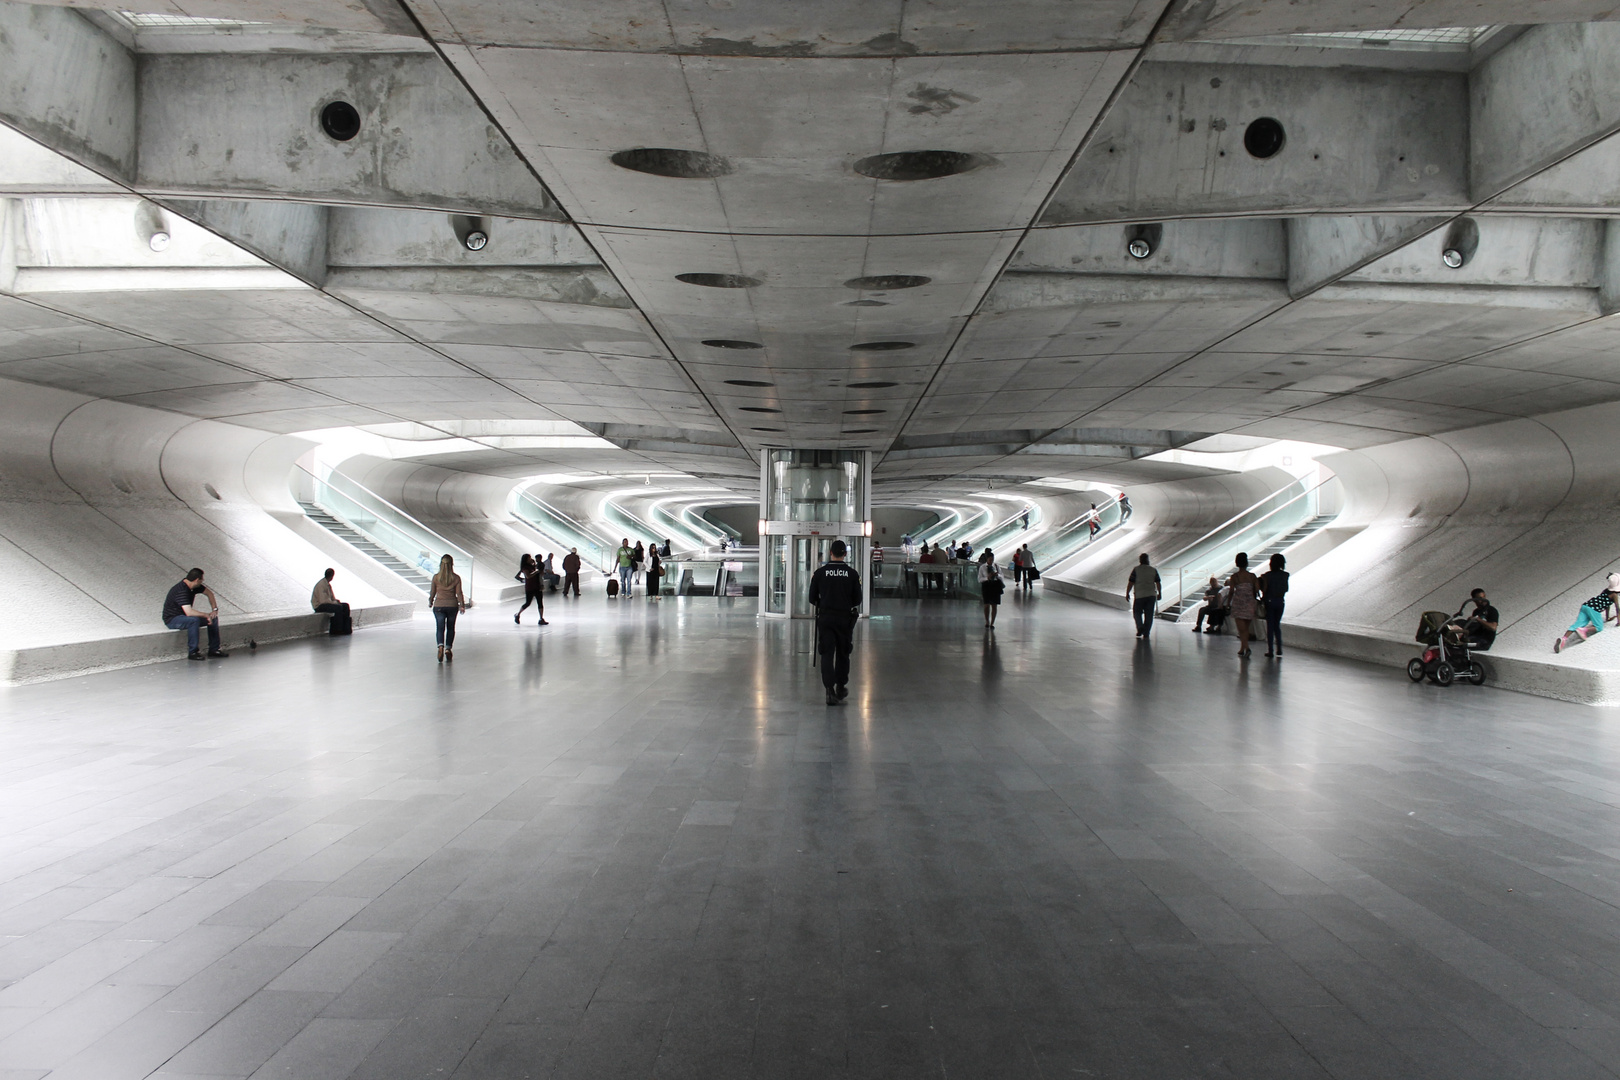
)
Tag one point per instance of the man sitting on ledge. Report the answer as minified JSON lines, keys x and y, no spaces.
{"x":179,"y":614}
{"x":325,"y":601}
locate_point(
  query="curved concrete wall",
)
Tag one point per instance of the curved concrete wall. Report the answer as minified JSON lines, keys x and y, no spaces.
{"x":104,"y":505}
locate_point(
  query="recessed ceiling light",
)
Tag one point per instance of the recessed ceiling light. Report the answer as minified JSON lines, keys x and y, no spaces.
{"x":1264,"y":138}
{"x":920,"y":164}
{"x":747,"y":382}
{"x":885,"y":282}
{"x":883,"y":346}
{"x":758,"y":408}
{"x":732,"y":343}
{"x":859,"y":430}
{"x":765,"y":429}
{"x":719,"y":281}
{"x":867,"y":303}
{"x":864,"y":412}
{"x":877,"y":385}
{"x":677,"y":164}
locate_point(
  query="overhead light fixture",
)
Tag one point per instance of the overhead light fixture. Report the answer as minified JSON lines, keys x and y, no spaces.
{"x":477,"y":240}
{"x":1452,"y":258}
{"x":1142,"y":240}
{"x":1139,"y":248}
{"x":151,"y":227}
{"x":1460,"y":243}
{"x":472,"y":231}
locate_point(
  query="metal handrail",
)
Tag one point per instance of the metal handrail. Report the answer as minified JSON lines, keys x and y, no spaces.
{"x":596,"y":552}
{"x":1169,"y":560}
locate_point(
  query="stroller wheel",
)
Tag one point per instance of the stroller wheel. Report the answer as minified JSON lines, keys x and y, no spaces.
{"x":1444,"y":673}
{"x":1476,"y":673}
{"x":1414,"y":669}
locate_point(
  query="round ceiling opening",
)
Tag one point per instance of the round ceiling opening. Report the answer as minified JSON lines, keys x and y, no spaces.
{"x":867,"y":303}
{"x":719,"y":281}
{"x":758,"y":408}
{"x":677,"y":164}
{"x":864,"y":412}
{"x":885,"y":282}
{"x":883,"y":346}
{"x":859,"y":430}
{"x":920,"y":164}
{"x":1264,"y":138}
{"x":747,"y":382}
{"x":877,"y":385}
{"x":764,"y":429}
{"x":340,"y":120}
{"x":732,"y":343}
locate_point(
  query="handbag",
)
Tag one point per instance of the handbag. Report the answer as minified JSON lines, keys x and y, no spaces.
{"x":1032,"y":574}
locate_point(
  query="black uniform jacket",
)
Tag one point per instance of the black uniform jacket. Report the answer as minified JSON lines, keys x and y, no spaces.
{"x":835,"y":590}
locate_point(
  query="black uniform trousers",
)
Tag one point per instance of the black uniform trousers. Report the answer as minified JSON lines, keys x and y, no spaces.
{"x":835,"y":638}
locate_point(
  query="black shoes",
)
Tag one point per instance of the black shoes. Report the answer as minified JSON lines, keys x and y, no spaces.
{"x":544,"y":623}
{"x":195,"y":656}
{"x":843,"y":692}
{"x":832,"y":698}
{"x":219,"y":654}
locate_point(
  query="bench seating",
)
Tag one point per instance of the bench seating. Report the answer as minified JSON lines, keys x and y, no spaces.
{"x":103,"y":651}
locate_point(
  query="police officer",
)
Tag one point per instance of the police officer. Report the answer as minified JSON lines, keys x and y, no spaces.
{"x":835,"y":590}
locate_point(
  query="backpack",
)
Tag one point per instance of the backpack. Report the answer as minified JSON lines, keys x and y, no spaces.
{"x":613,"y":587}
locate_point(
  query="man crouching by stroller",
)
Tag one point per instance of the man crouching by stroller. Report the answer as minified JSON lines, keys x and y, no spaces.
{"x":1478,"y":627}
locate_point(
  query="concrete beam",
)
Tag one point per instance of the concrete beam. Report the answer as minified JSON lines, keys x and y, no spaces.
{"x":289,"y":235}
{"x":1216,"y":248}
{"x":368,"y":16}
{"x":1552,"y":92}
{"x":1173,"y":146}
{"x":235,"y":126}
{"x":1215,"y":20}
{"x":593,"y":286}
{"x":68,"y":85}
{"x":1322,"y":248}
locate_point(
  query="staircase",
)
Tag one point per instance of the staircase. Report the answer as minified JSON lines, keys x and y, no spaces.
{"x":345,"y":532}
{"x":1257,"y":562}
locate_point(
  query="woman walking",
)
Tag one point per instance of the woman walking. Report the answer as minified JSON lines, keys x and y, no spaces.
{"x":447,"y":601}
{"x":637,"y":558}
{"x":990,"y":586}
{"x":1593,"y":614}
{"x":1245,"y":587}
{"x":534,"y":588}
{"x":1274,"y":587}
{"x":655,"y":572}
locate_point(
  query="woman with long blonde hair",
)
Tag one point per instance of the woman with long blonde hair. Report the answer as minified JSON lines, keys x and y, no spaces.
{"x":447,"y":601}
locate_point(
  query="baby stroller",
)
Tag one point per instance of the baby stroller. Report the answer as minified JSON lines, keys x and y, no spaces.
{"x":1449,"y":655}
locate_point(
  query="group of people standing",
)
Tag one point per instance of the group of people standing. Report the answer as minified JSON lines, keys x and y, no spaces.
{"x":1244,"y":598}
{"x":636,"y":563}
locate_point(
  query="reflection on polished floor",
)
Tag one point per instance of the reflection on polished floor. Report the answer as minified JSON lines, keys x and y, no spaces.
{"x":637,"y":843}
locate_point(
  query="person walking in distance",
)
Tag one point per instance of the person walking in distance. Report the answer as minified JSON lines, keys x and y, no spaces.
{"x":1245,"y":587}
{"x":1124,"y":508}
{"x":835,"y":590}
{"x":571,"y":572}
{"x":534,"y":587}
{"x":1144,"y":581}
{"x":990,"y":587}
{"x":1093,"y":522}
{"x":1018,"y":566}
{"x":1031,"y":571}
{"x":1274,"y":589}
{"x":447,"y":601}
{"x":624,"y":559}
{"x":655,"y":573}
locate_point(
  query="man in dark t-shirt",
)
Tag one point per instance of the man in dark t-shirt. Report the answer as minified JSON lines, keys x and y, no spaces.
{"x":181,"y":613}
{"x":1480,"y":625}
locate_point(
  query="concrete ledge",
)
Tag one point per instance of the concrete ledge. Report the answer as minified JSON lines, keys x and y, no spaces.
{"x":1543,"y":678}
{"x":64,"y":659}
{"x":1105,"y":597}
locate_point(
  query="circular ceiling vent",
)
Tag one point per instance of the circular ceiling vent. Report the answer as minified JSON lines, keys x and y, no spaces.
{"x":765,"y":429}
{"x":864,"y":412}
{"x":885,"y":282}
{"x":732,"y":343}
{"x":878,"y":385}
{"x":859,"y":430}
{"x":678,"y":164}
{"x":340,"y":120}
{"x":883,"y":346}
{"x":920,"y":164}
{"x":747,"y":382}
{"x":1264,"y":138}
{"x":867,"y":303}
{"x":719,"y":281}
{"x":758,"y":408}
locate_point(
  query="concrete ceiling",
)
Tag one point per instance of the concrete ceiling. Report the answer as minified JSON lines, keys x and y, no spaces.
{"x":312,"y":283}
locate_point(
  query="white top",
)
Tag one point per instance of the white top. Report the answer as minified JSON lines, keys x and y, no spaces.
{"x":988,"y":570}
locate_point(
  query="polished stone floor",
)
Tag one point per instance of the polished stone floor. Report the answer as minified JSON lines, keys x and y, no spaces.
{"x":638,"y":844}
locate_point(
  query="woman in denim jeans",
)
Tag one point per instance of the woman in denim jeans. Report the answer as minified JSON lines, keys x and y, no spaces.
{"x":447,"y":601}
